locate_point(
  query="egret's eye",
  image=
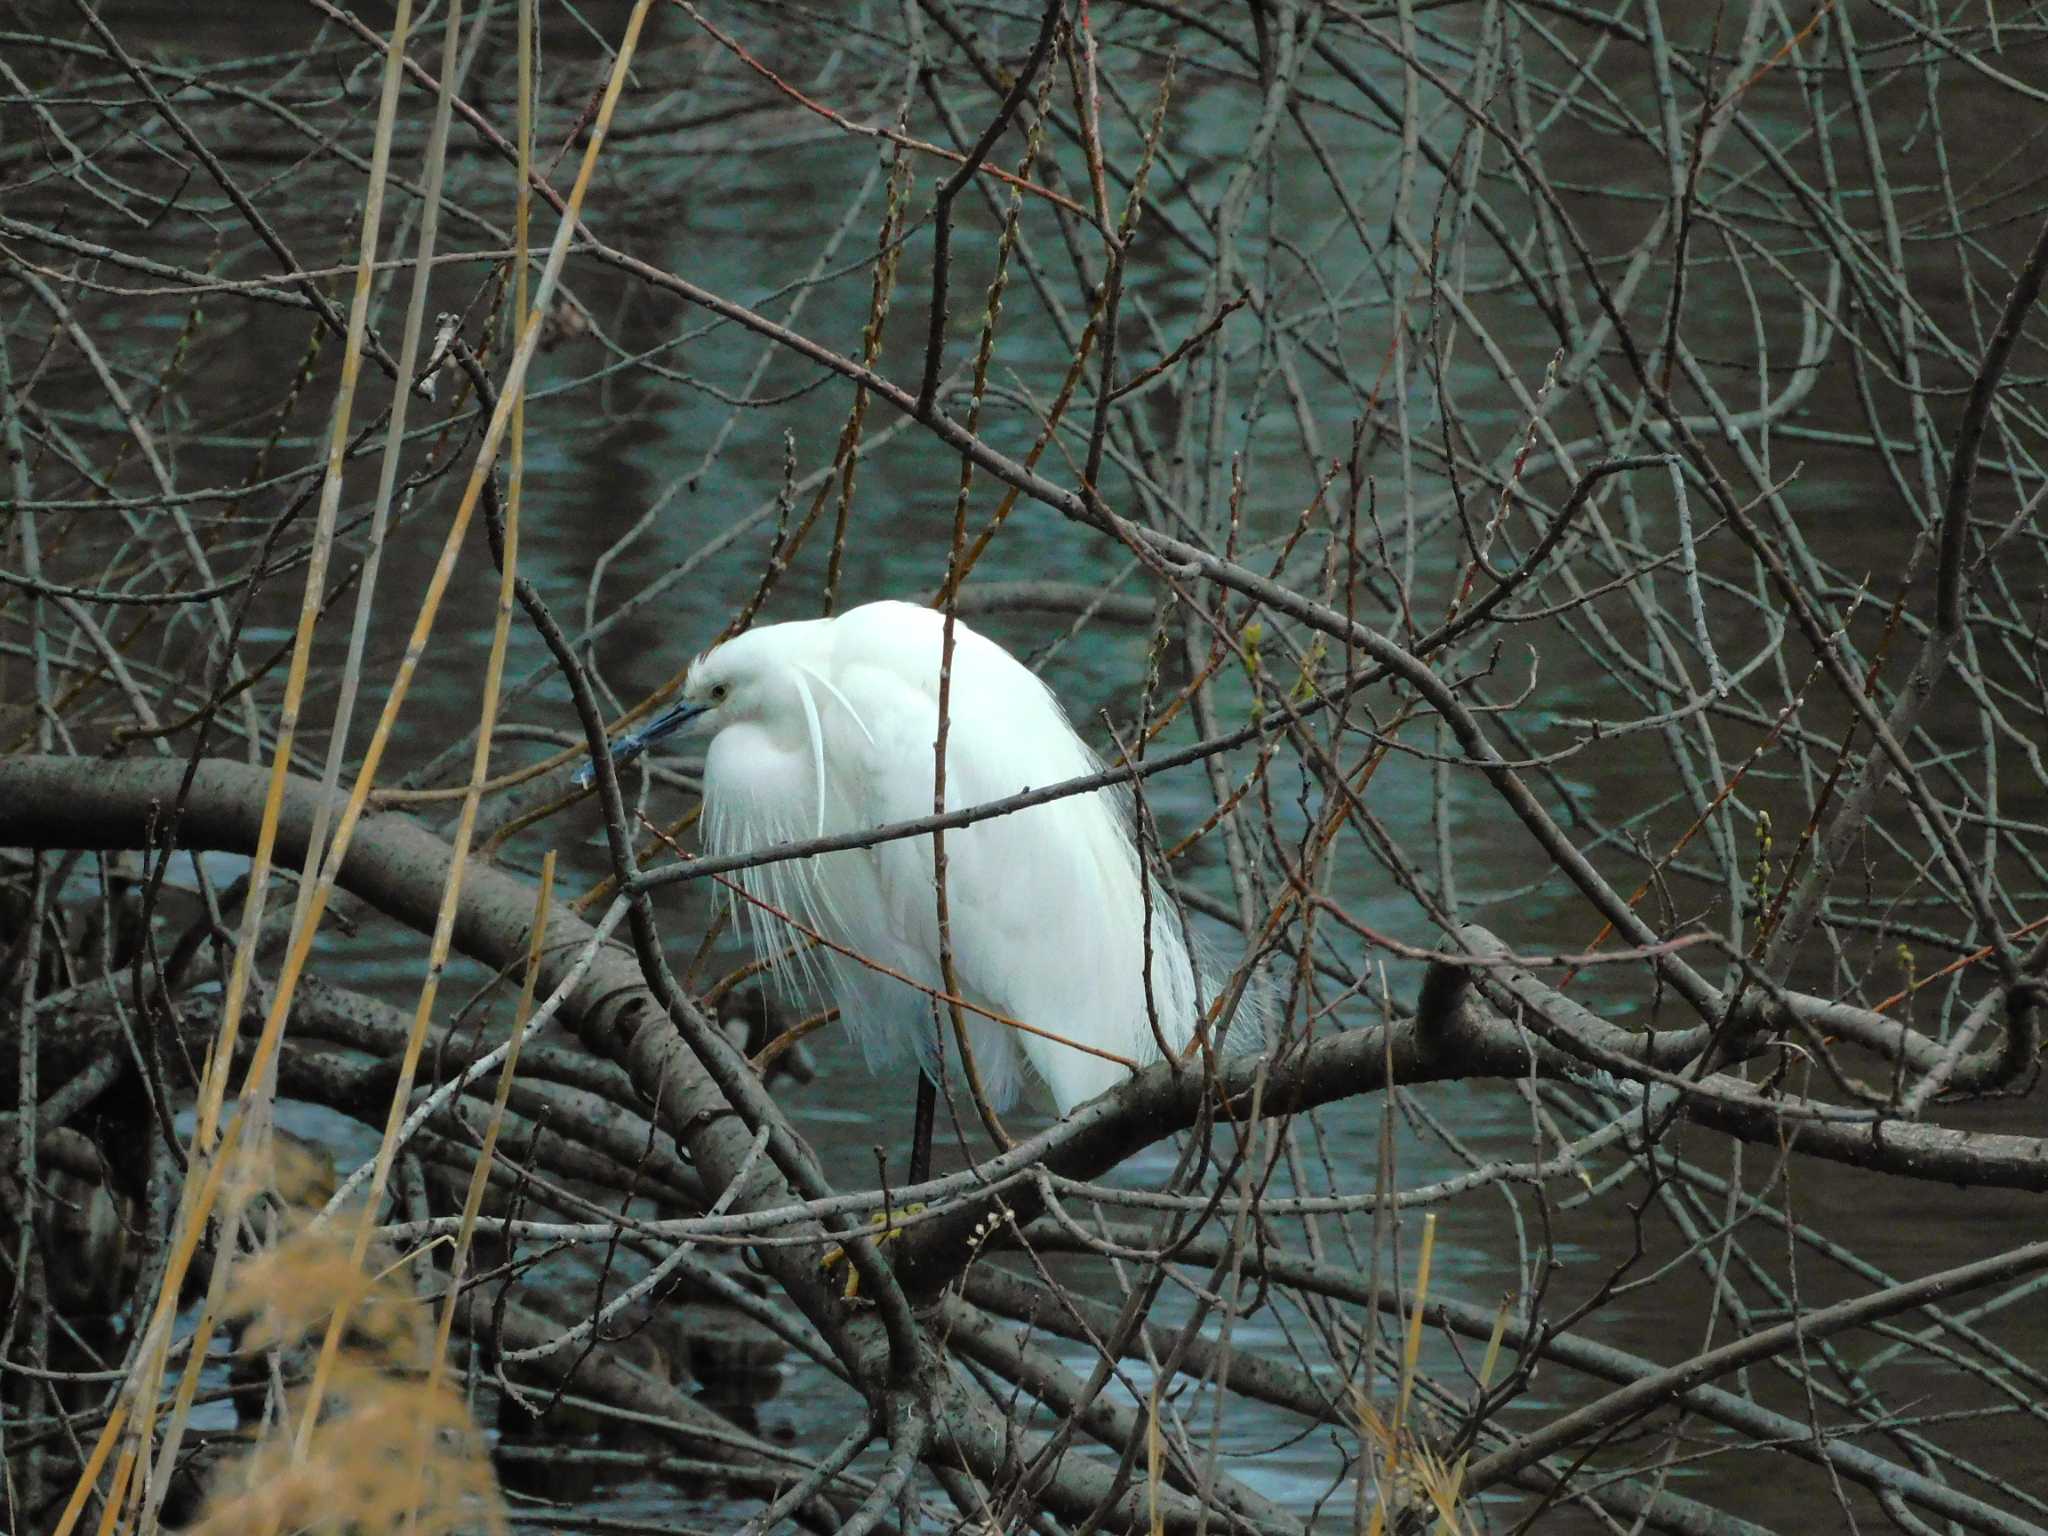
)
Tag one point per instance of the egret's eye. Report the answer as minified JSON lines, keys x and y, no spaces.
{"x":718,"y":693}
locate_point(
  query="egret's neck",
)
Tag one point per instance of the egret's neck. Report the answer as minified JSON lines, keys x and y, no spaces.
{"x":760,"y":785}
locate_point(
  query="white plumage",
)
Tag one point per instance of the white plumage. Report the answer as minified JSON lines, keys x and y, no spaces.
{"x":827,"y":726}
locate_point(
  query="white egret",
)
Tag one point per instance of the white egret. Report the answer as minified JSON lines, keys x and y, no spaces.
{"x":828,"y":726}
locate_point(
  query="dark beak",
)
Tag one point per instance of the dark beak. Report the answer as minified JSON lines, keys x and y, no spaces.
{"x":628,"y":747}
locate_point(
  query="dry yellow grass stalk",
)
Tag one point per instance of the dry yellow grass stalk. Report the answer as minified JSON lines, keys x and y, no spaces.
{"x":202,"y":1191}
{"x":215,"y":1088}
{"x":1406,"y":1471}
{"x":259,"y":1091}
{"x":1155,"y":1465}
{"x":437,"y":587}
{"x":139,"y":1396}
{"x":480,"y":1177}
{"x":145,"y":1381}
{"x":1411,"y":1354}
{"x":1447,"y":1525}
{"x":444,"y":569}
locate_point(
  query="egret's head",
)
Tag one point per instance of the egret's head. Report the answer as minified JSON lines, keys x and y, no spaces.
{"x":725,"y":684}
{"x":738,"y":680}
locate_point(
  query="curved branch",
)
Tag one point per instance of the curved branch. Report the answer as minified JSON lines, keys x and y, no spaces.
{"x":396,"y":865}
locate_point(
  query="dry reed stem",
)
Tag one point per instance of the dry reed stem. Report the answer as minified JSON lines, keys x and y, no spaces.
{"x":197,"y":1210}
{"x":494,"y":433}
{"x":121,"y":1475}
{"x":214,"y":1090}
{"x":1155,"y":1464}
{"x":1401,"y":1450}
{"x":214,"y":1083}
{"x":257,"y":1093}
{"x":196,"y":1201}
{"x":494,"y":672}
{"x":1447,"y":1524}
{"x":350,"y":682}
{"x":515,"y":487}
{"x":188,"y":1380}
{"x":480,"y":1176}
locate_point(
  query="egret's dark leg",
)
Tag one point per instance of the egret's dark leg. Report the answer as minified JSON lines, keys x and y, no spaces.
{"x":921,"y":1130}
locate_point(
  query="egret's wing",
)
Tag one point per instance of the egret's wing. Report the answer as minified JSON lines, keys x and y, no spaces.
{"x":883,"y":896}
{"x":1048,"y":915}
